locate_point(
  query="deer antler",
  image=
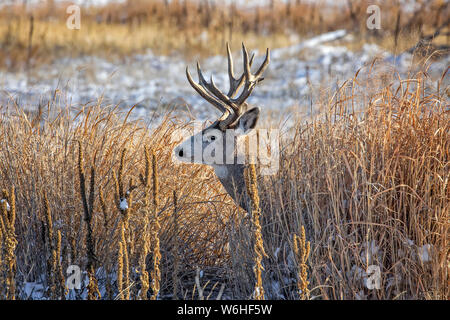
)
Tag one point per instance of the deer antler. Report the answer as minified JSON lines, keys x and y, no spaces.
{"x":230,"y":107}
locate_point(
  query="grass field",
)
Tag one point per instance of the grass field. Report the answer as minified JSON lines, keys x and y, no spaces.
{"x":39,"y":35}
{"x":361,"y":184}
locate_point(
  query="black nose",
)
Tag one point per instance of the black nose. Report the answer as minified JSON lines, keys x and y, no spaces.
{"x":180,"y":153}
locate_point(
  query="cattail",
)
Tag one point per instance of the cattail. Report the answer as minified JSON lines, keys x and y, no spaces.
{"x":252,"y":190}
{"x":302,"y":250}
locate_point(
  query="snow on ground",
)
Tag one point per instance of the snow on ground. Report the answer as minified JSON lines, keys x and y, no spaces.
{"x":151,"y":81}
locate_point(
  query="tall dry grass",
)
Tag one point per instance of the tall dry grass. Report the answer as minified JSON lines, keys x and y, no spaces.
{"x":371,"y":188}
{"x":368,"y":180}
{"x":40,"y":154}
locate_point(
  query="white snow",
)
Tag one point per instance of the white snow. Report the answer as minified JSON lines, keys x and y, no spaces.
{"x":294,"y":78}
{"x":424,"y":252}
{"x":7,"y":204}
{"x":123,"y":204}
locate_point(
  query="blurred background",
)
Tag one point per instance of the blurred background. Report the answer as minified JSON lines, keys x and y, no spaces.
{"x":134,"y":52}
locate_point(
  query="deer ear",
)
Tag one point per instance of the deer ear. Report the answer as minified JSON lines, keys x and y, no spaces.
{"x":247,"y":122}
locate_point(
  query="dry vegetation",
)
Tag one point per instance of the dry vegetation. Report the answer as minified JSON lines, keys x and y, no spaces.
{"x":93,"y":188}
{"x":39,"y":35}
{"x":369,"y":188}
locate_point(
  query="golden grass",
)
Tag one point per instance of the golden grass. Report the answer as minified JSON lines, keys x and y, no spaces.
{"x":9,"y":243}
{"x":258,"y":247}
{"x":115,"y":31}
{"x":369,"y":187}
{"x":302,"y":248}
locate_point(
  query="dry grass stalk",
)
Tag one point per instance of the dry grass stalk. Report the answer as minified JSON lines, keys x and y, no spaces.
{"x":302,"y":250}
{"x":176,"y":257}
{"x":93,"y":291}
{"x":9,"y":241}
{"x":143,"y":269}
{"x":108,"y":268}
{"x":155,"y":228}
{"x":124,"y":202}
{"x":52,"y":257}
{"x":145,"y":180}
{"x":124,"y":261}
{"x":62,"y":282}
{"x":372,"y":180}
{"x":88,"y":206}
{"x":120,"y":257}
{"x":252,"y":190}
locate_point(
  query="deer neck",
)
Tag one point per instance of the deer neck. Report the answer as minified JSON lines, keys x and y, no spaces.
{"x":232,"y":178}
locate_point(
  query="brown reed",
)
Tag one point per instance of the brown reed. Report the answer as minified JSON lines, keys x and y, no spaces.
{"x":62,"y":282}
{"x":88,"y":206}
{"x":375,"y":175}
{"x":120,"y":259}
{"x":259,"y":253}
{"x":155,"y":229}
{"x":52,"y":257}
{"x":145,"y":181}
{"x":176,"y":254}
{"x":9,"y":241}
{"x":124,"y":201}
{"x":302,"y":250}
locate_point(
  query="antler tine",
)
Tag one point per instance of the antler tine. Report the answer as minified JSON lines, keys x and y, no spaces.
{"x":201,"y":91}
{"x":264,"y":64}
{"x":230,"y":62}
{"x":231,"y":108}
{"x":250,"y":79}
{"x":211,"y":87}
{"x":235,"y":83}
{"x":246,"y":64}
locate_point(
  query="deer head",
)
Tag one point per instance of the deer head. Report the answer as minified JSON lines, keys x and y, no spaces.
{"x":235,"y":112}
{"x":237,"y":118}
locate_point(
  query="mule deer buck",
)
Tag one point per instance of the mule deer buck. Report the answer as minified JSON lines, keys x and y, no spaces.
{"x":224,"y":135}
